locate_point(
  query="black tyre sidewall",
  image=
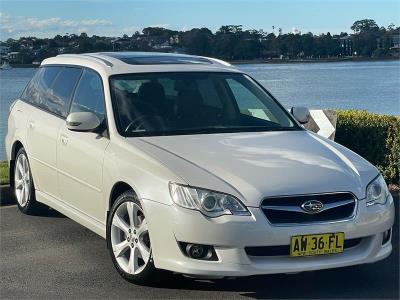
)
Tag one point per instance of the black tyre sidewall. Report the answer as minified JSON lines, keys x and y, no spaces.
{"x":149,"y":273}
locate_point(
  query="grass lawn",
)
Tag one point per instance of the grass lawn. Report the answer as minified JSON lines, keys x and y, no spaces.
{"x":4,"y":172}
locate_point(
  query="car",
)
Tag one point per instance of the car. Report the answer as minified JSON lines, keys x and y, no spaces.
{"x":186,"y":164}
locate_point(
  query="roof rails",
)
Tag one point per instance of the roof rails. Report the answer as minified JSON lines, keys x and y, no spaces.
{"x":218,"y":61}
{"x":89,"y":56}
{"x":102,"y":57}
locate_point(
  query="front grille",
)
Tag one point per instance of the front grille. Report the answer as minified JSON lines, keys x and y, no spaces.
{"x":285,"y":250}
{"x":288,"y":210}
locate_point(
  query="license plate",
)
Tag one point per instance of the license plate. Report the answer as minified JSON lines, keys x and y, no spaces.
{"x":316,"y":244}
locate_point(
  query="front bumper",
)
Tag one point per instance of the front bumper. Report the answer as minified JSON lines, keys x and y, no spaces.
{"x":231,"y":234}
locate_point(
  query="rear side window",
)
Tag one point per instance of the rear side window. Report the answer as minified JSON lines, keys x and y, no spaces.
{"x":38,"y":87}
{"x":89,"y":95}
{"x":45,"y":80}
{"x":31,"y":92}
{"x":51,"y":88}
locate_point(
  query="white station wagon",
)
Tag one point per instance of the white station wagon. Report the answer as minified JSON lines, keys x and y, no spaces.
{"x":184,"y":163}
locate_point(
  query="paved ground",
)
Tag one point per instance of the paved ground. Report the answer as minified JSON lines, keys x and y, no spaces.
{"x":53,"y":257}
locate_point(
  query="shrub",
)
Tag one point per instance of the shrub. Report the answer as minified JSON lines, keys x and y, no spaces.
{"x":374,"y":137}
{"x":4,"y":172}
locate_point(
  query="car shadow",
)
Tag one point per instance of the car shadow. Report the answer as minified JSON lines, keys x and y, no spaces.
{"x":350,"y":282}
{"x":7,"y":198}
{"x":50,"y":213}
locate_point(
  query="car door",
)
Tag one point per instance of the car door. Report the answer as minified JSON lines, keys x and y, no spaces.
{"x":44,"y":122}
{"x":80,"y":154}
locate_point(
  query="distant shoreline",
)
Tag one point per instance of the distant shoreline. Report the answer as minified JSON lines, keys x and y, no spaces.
{"x":275,"y":61}
{"x":25,"y":65}
{"x":322,"y":60}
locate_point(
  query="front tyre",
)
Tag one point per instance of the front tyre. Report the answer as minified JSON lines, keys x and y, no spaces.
{"x":128,"y":240}
{"x":24,"y":188}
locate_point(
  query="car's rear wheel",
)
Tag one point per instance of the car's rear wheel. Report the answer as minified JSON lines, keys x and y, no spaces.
{"x":128,"y":240}
{"x":23,"y":185}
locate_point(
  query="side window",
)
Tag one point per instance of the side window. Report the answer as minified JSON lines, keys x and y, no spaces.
{"x":45,"y":80}
{"x":89,"y":95}
{"x":61,"y":91}
{"x":209,"y":93}
{"x":31,"y":93}
{"x":248,"y":103}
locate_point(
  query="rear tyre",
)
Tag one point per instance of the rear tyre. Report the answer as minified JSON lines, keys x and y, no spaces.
{"x":128,"y":240}
{"x":24,"y":188}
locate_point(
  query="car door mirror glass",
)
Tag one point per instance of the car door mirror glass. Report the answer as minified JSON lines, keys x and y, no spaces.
{"x":82,"y":121}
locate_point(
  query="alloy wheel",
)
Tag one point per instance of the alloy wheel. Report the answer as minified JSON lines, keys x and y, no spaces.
{"x":22,"y":180}
{"x":130,"y":238}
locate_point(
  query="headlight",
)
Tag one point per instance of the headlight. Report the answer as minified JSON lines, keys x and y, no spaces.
{"x":377,"y":191}
{"x":210,"y":203}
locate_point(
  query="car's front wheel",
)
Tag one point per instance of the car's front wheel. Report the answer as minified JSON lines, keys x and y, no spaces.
{"x":128,"y":240}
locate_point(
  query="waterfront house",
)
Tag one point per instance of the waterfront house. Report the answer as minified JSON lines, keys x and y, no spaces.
{"x":390,"y":42}
{"x":346,"y":45}
{"x":4,"y":50}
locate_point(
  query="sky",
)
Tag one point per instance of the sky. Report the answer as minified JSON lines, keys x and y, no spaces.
{"x":46,"y":18}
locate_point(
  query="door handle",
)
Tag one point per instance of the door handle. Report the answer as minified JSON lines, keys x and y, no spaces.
{"x":31,"y":124}
{"x":64,"y":139}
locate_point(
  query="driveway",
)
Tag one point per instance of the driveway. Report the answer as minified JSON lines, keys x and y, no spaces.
{"x":53,"y":257}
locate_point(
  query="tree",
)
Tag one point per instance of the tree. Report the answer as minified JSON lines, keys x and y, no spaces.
{"x":83,"y":35}
{"x":365,"y":25}
{"x":391,"y":27}
{"x":367,"y":33}
{"x":230,"y":42}
{"x":155,"y":31}
{"x":198,"y":41}
{"x":227,"y":29}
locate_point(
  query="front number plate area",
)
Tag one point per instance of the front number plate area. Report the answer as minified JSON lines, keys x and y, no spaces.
{"x":316,"y":244}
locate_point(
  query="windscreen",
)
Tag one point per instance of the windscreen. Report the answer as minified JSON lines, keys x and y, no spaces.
{"x":194,"y":103}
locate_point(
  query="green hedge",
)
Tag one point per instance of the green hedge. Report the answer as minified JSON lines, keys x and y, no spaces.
{"x":374,"y":137}
{"x":4,"y":172}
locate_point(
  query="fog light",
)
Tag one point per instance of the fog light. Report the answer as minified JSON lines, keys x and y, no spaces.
{"x":198,"y":251}
{"x":386,"y":236}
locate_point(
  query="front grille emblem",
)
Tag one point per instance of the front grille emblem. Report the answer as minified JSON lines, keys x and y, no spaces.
{"x":312,"y":206}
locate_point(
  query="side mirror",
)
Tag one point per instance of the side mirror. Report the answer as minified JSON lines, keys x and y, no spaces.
{"x":301,"y":114}
{"x":82,"y":121}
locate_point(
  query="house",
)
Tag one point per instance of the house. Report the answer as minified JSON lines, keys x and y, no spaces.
{"x":4,"y":50}
{"x":61,"y":50}
{"x":346,"y":45}
{"x":174,"y":40}
{"x":389,"y":41}
{"x":163,"y":46}
{"x":15,"y":57}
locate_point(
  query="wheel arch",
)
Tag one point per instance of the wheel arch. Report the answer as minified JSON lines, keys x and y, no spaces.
{"x":118,"y":189}
{"x":17,"y":145}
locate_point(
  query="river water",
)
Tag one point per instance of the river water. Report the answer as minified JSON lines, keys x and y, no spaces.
{"x":372,"y":86}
